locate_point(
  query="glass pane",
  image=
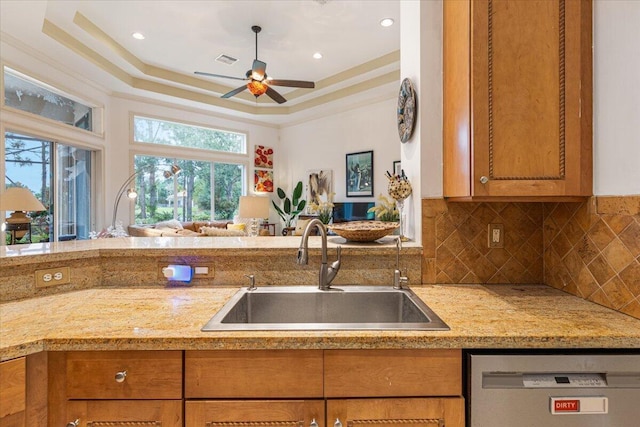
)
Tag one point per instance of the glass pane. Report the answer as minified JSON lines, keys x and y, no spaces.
{"x":28,"y":164}
{"x":34,"y":97}
{"x":227,"y":189}
{"x":186,"y":196}
{"x":154,"y":131}
{"x":155,"y":193}
{"x":73,"y":193}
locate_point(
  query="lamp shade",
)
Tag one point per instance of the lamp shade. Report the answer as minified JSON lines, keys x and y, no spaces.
{"x":253,"y":207}
{"x":20,"y":199}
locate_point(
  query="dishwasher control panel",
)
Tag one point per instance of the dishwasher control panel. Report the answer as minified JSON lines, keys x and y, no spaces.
{"x":563,"y":380}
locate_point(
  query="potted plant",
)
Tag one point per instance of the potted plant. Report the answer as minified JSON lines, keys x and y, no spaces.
{"x":291,"y":208}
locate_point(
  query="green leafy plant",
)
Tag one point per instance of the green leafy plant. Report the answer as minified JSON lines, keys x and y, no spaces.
{"x":291,"y":208}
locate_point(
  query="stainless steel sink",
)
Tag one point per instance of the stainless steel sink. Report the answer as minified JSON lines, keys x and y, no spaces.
{"x":340,"y":308}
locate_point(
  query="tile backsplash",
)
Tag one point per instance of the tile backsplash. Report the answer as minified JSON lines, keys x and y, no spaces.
{"x":455,"y":242}
{"x":590,"y":249}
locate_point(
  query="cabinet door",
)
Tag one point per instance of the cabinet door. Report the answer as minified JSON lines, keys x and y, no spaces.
{"x":525,"y":115}
{"x":125,"y":413}
{"x":259,"y":413}
{"x":13,"y":392}
{"x":395,"y":412}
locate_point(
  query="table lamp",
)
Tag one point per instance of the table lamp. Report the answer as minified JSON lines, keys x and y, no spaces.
{"x":253,"y":207}
{"x":20,"y":200}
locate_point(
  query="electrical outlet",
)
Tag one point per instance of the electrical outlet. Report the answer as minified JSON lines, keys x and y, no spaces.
{"x":495,"y":236}
{"x":53,"y":277}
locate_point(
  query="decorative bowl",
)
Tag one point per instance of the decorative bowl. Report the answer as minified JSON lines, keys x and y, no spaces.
{"x":363,"y":231}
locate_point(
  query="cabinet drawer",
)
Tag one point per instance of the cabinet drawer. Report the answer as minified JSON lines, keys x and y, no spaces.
{"x":12,"y":387}
{"x":124,"y":375}
{"x":255,"y":413}
{"x":152,"y":413}
{"x":380,"y":373}
{"x":253,"y":374}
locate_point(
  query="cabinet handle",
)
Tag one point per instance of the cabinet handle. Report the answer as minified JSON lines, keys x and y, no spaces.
{"x":75,"y":423}
{"x":484,"y":179}
{"x":314,"y":423}
{"x":338,"y":423}
{"x":121,"y":376}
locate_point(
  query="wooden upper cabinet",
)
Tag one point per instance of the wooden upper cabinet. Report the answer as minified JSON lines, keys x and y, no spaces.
{"x":517,"y":99}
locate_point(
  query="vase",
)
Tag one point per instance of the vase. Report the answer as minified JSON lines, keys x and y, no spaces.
{"x":288,"y":231}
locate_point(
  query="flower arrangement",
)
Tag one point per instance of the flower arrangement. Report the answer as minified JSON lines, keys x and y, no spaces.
{"x":323,"y":209}
{"x":386,"y":210}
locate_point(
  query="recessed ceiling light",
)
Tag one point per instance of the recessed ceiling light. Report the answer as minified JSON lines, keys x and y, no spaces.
{"x":317,"y":55}
{"x":138,"y":36}
{"x":386,"y":22}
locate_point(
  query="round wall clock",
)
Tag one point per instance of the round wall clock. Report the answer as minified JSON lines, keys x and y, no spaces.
{"x":406,"y":110}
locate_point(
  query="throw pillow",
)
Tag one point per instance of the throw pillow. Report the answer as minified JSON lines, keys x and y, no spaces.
{"x":214,"y":231}
{"x":301,"y":224}
{"x":171,"y":223}
{"x":240,"y":227}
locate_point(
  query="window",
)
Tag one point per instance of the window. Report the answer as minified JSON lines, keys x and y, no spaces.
{"x":66,"y":193}
{"x":210,"y":183}
{"x":27,"y":94}
{"x":155,"y":131}
{"x":188,"y":195}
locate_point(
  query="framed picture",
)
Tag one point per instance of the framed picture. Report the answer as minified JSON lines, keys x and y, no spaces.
{"x":263,"y":157}
{"x":262,"y":181}
{"x":319,"y":186}
{"x":359,"y":174}
{"x":397,"y":169}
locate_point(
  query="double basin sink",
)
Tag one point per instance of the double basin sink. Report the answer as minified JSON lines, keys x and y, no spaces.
{"x":339,"y":308}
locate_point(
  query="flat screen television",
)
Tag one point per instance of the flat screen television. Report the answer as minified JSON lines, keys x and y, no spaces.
{"x":352,"y":211}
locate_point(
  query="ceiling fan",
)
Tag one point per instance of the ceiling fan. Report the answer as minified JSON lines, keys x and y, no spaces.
{"x":258,"y":81}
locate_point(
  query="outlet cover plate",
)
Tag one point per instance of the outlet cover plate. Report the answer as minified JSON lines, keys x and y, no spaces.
{"x":495,"y":236}
{"x":52,"y":277}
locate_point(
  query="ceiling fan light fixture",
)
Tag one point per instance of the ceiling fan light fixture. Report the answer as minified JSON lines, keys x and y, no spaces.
{"x":257,"y":88}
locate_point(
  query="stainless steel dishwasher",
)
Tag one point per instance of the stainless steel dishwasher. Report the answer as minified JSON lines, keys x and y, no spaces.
{"x":575,"y":390}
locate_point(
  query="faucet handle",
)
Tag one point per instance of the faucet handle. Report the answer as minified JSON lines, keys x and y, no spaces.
{"x":339,"y":251}
{"x":252,"y":282}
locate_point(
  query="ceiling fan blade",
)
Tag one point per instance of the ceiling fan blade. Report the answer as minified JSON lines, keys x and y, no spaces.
{"x":200,"y":73}
{"x":275,"y":96}
{"x":258,"y":69}
{"x":234,"y":92}
{"x":292,"y":83}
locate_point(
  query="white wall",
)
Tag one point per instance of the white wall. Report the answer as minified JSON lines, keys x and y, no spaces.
{"x":323,"y":143}
{"x":616,"y":97}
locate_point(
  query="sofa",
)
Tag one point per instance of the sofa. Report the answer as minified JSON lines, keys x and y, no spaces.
{"x":175,"y":228}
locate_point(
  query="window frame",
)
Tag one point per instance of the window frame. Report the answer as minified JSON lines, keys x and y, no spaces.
{"x":97,"y":114}
{"x":96,"y":166}
{"x":187,"y":153}
{"x":133,"y":141}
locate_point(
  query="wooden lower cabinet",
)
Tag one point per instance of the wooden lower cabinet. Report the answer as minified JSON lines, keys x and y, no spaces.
{"x":254,"y":413}
{"x":387,"y":412}
{"x":400,"y":412}
{"x":13,"y":392}
{"x":124,"y":413}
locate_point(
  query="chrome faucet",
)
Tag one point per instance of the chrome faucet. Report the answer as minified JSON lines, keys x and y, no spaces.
{"x":327,"y":274}
{"x":398,"y":279}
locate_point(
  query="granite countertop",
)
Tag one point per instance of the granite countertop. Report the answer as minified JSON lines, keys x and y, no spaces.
{"x":491,"y":316}
{"x":154,"y":246}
